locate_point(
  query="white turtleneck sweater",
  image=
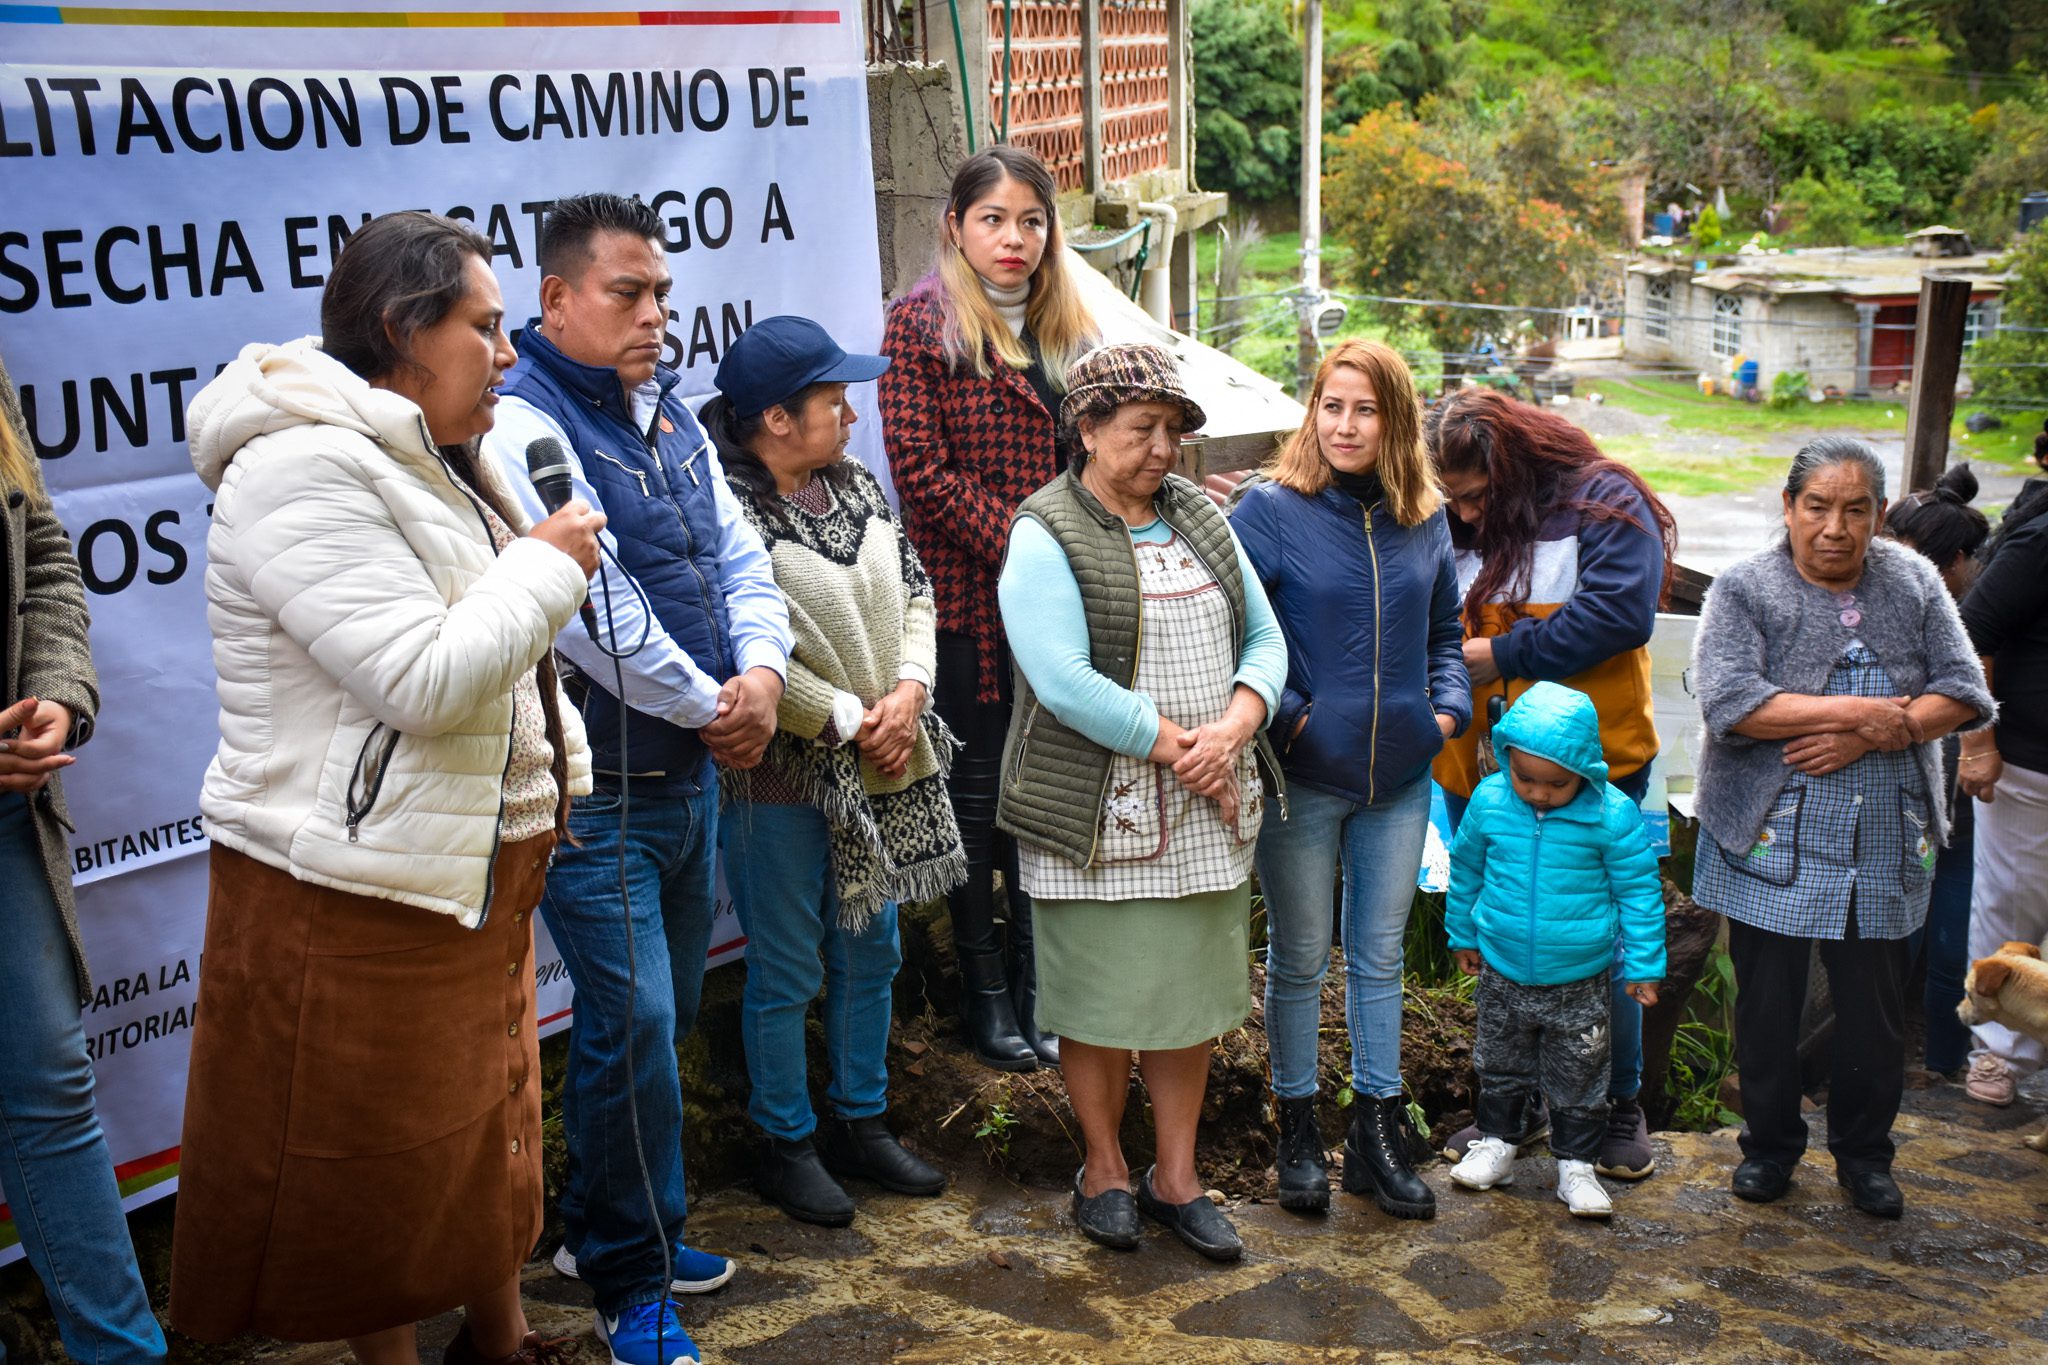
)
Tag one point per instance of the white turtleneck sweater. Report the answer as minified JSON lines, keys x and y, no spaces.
{"x":1008,"y":303}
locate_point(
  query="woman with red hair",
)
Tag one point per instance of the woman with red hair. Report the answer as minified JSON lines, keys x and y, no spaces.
{"x":1564,"y":557}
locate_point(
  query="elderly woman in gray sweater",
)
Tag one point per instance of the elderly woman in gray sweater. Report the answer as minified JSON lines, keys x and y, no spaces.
{"x":1828,"y":668}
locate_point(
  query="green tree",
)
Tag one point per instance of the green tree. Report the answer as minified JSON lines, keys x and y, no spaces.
{"x":1419,"y":224}
{"x":2015,"y":161}
{"x":1829,"y":25}
{"x":1247,"y":73}
{"x":1706,"y":231}
{"x":1826,"y":212}
{"x":1697,"y":86}
{"x":1356,"y":88}
{"x":1907,"y":160}
{"x":1988,"y":35}
{"x":1421,"y":54}
{"x":2025,"y":305}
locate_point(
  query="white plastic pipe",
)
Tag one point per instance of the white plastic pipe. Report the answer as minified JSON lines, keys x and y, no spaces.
{"x":1155,"y":289}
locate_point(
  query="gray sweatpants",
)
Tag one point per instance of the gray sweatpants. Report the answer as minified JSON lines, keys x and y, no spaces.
{"x":1552,"y":1037}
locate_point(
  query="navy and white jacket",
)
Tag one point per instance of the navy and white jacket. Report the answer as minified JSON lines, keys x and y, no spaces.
{"x":1370,"y":611}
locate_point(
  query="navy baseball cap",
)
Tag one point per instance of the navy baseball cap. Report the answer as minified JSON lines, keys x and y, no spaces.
{"x":777,"y":357}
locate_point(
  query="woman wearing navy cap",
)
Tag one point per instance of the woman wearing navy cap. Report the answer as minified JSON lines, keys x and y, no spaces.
{"x":847,"y":813}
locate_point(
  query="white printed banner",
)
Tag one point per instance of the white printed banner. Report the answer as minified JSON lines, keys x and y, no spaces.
{"x":176,"y":183}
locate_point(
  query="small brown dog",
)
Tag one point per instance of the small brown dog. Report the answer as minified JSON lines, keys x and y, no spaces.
{"x":2011,"y":988}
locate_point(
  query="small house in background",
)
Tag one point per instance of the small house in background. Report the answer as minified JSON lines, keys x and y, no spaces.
{"x":1939,"y":241}
{"x":1844,"y":316}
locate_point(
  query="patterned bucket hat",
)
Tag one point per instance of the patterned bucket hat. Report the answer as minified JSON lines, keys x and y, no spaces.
{"x":1108,"y":377}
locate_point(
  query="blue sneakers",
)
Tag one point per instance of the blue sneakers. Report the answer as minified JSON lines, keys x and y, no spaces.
{"x":632,"y":1335}
{"x":690,"y":1271}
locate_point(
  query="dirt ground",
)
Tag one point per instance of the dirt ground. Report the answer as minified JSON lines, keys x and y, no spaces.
{"x":994,"y":1271}
{"x":1026,"y":1131}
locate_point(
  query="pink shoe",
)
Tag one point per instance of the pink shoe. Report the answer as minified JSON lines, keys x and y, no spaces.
{"x":1990,"y":1081}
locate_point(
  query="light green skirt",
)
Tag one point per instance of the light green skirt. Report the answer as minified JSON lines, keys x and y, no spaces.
{"x":1150,"y":974}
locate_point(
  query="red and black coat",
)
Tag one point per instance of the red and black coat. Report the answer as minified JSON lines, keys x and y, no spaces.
{"x":964,"y":452}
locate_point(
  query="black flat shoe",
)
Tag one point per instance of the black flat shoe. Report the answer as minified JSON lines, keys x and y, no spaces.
{"x":865,"y":1149}
{"x":792,"y":1178}
{"x":1874,"y":1192}
{"x":1198,"y":1222}
{"x":1760,"y":1181}
{"x":1110,"y":1218}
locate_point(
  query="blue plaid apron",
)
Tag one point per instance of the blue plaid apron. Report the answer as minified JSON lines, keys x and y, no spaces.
{"x":1862,"y":829}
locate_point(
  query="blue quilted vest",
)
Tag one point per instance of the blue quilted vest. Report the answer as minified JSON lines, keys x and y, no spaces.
{"x":656,"y":488}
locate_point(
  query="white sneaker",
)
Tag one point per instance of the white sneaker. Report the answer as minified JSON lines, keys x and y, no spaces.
{"x":1580,"y":1190}
{"x":1488,"y":1162}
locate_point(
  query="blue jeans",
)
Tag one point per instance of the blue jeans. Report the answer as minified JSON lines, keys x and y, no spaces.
{"x":54,"y":1167}
{"x":1380,"y":848}
{"x":670,"y":855}
{"x":1946,"y":941}
{"x":1625,"y":1055}
{"x":780,"y":875}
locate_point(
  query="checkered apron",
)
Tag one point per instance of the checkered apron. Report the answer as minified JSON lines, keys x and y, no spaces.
{"x":1863,"y":829}
{"x":1159,"y":840}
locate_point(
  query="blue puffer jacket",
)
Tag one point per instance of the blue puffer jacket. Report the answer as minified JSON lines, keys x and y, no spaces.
{"x":1540,"y":895}
{"x":1370,"y":611}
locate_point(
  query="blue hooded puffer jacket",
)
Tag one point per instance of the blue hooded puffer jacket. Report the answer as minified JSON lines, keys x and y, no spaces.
{"x":1541,"y":895}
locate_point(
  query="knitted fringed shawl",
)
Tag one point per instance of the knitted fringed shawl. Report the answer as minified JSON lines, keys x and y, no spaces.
{"x":898,"y":845}
{"x":852,"y":580}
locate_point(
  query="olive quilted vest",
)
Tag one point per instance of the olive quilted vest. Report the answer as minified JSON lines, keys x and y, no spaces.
{"x":1053,"y":776}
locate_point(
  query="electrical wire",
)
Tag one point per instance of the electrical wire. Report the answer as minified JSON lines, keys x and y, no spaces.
{"x":618,"y":656}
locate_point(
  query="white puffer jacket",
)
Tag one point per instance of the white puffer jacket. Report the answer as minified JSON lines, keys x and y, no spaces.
{"x":366,"y":634}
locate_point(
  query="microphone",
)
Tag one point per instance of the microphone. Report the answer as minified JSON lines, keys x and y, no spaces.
{"x":547,"y":464}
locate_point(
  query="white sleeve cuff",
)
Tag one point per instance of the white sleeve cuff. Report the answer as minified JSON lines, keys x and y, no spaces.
{"x":847,"y":712}
{"x":910,"y":672}
{"x":764,"y":654}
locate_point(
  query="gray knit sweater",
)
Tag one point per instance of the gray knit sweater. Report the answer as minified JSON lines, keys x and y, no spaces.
{"x":1765,"y":630}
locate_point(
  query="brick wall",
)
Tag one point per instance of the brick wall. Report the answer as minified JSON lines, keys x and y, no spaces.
{"x":1048,"y":97}
{"x":1137,"y":110}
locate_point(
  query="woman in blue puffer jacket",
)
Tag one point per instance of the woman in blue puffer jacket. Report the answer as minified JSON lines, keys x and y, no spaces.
{"x":1345,"y":531}
{"x":1550,"y":866}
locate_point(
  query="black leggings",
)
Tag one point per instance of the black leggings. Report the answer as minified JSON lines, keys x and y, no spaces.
{"x":977,"y":773}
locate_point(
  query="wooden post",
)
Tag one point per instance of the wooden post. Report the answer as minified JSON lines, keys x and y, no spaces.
{"x":1937,"y":359}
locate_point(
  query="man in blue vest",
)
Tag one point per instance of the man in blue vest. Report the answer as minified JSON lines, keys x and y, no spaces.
{"x":692,"y":606}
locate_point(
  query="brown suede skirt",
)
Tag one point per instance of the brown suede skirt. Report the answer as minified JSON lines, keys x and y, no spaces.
{"x":362,"y":1121}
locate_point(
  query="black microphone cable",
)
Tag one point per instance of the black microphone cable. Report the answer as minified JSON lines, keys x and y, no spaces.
{"x":618,"y":656}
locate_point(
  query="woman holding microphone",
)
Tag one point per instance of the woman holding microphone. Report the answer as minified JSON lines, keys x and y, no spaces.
{"x":362,"y":1128}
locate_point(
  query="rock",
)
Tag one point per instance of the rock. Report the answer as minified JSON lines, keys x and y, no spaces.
{"x":1983,"y":421}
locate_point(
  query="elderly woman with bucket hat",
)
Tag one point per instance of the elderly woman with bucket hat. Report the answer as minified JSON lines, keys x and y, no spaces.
{"x":847,"y":813}
{"x":1151,"y":661}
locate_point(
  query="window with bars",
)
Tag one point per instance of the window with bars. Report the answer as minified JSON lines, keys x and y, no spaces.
{"x":1974,"y":320}
{"x":1657,"y":310}
{"x":1727,"y":325}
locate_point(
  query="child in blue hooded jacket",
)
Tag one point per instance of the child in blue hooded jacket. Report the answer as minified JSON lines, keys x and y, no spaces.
{"x":1549,"y":863}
